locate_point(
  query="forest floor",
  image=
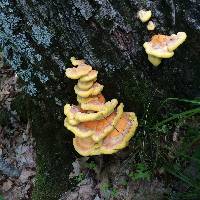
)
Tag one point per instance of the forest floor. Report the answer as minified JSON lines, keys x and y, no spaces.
{"x":110,"y":183}
{"x":17,"y":147}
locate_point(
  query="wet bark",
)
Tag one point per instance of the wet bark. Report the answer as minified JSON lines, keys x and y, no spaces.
{"x":108,"y":35}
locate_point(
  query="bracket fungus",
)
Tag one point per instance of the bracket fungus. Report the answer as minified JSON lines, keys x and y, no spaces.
{"x":91,"y":76}
{"x":163,"y":46}
{"x":144,"y":15}
{"x":94,"y":104}
{"x":77,"y":72}
{"x":92,"y":91}
{"x":99,"y":127}
{"x":151,"y":26}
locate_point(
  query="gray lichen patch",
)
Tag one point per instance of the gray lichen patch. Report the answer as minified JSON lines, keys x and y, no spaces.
{"x":84,"y":7}
{"x":42,"y":35}
{"x":109,"y":16}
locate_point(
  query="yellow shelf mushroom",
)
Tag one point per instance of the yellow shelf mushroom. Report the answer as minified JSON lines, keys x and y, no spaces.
{"x":120,"y":136}
{"x":163,"y":46}
{"x":99,"y":127}
{"x":76,"y":62}
{"x":94,"y":104}
{"x":144,"y":15}
{"x":77,"y":72}
{"x":70,"y":111}
{"x":82,"y":100}
{"x":107,"y":109}
{"x":93,"y":91}
{"x":86,"y":85}
{"x":151,"y":26}
{"x":154,"y":60}
{"x":86,"y":146}
{"x":92,"y":75}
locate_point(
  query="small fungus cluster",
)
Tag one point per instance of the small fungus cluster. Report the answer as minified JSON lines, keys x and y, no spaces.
{"x":160,"y":46}
{"x":144,"y":16}
{"x":163,"y":46}
{"x":99,"y":127}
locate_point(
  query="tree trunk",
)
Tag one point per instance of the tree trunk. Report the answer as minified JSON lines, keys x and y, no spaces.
{"x":39,"y":37}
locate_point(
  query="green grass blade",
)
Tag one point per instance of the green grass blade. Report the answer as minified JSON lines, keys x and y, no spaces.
{"x":196,"y":102}
{"x":184,"y":115}
{"x":182,"y":177}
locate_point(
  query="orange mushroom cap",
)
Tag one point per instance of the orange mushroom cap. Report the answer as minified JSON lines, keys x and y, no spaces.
{"x":106,"y":125}
{"x":113,"y":142}
{"x":162,"y":46}
{"x":107,"y":109}
{"x":86,"y":146}
{"x":95,"y":104}
{"x":121,"y":135}
{"x":97,"y":129}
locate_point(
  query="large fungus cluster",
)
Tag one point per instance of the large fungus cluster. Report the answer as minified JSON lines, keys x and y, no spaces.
{"x":99,"y":127}
{"x":163,"y":46}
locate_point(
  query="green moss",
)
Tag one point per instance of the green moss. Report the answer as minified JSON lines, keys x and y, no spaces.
{"x":53,"y":161}
{"x":137,"y":94}
{"x":54,"y":156}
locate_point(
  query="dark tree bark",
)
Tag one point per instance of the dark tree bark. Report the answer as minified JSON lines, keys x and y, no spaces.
{"x":40,"y":36}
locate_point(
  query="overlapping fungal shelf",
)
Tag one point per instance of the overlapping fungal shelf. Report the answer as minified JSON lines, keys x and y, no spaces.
{"x":163,"y":46}
{"x":99,"y":126}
